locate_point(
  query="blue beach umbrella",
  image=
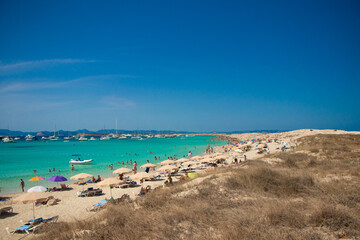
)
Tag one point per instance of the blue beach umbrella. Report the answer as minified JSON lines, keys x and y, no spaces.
{"x":57,"y":179}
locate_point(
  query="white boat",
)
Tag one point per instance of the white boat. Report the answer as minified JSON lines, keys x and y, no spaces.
{"x":17,"y":138}
{"x":105,"y":138}
{"x":29,"y":137}
{"x":83,"y":138}
{"x":92,"y":139}
{"x":122,"y":137}
{"x":8,"y":140}
{"x":76,"y":161}
{"x":79,"y":161}
{"x":53,"y":138}
{"x":136,"y":137}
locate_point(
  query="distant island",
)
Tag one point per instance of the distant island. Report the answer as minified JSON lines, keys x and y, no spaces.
{"x":62,"y":133}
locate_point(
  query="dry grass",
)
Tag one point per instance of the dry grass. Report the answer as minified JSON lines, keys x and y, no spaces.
{"x":290,"y":200}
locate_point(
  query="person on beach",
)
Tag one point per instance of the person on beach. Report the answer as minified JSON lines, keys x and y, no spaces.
{"x":49,"y":170}
{"x":244,"y":157}
{"x":147,"y":170}
{"x":142,"y":192}
{"x":98,"y":179}
{"x":53,"y":169}
{"x":135,"y":167}
{"x":93,"y":179}
{"x":35,"y":171}
{"x":72,"y":168}
{"x":22,"y":184}
{"x":169,"y":181}
{"x":127,"y":162}
{"x":147,"y":161}
{"x":131,"y":162}
{"x":155,"y":158}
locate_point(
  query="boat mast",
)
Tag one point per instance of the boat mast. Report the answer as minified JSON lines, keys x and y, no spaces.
{"x":116,"y":128}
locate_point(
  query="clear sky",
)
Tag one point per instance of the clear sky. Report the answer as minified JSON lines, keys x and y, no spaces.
{"x":180,"y":65}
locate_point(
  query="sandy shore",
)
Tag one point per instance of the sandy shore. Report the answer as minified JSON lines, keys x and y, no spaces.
{"x":72,"y":207}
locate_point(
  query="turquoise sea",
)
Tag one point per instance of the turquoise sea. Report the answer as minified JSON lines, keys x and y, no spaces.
{"x":18,"y":160}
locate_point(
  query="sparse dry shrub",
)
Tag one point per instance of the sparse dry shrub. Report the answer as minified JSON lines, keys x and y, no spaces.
{"x":314,"y":150}
{"x":291,"y":163}
{"x":312,"y":163}
{"x":342,"y":192}
{"x":279,"y":183}
{"x":296,"y":157}
{"x":336,"y":218}
{"x":285,"y":214}
{"x":154,"y":200}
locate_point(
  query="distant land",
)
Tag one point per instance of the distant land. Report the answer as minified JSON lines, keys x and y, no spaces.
{"x":6,"y":132}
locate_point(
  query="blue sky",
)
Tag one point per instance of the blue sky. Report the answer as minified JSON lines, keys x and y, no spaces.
{"x":180,"y":65}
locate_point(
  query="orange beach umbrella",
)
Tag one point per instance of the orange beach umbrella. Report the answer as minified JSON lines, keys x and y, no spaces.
{"x":37,"y":178}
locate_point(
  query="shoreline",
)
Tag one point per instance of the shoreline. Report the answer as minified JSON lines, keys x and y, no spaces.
{"x":104,"y":154}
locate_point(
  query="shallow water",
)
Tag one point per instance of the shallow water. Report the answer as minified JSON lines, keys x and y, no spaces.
{"x":18,"y":160}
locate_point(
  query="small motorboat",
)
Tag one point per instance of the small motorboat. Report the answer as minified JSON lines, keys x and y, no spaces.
{"x":8,"y":140}
{"x":79,"y":161}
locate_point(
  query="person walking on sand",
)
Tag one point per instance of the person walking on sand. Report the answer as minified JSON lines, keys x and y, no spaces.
{"x":22,"y":184}
{"x":135,"y":167}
